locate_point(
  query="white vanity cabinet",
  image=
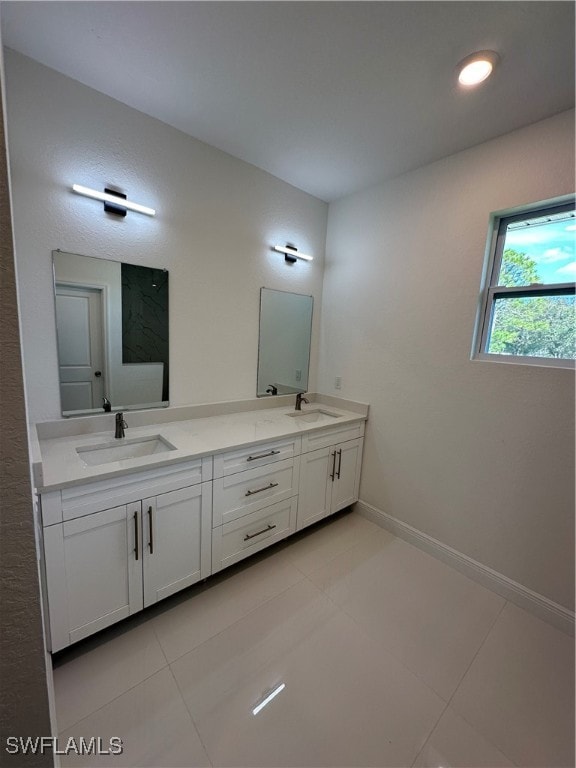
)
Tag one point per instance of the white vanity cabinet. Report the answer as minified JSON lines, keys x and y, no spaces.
{"x":106,"y":564}
{"x":116,"y":542}
{"x":255,"y":499}
{"x":329,"y":472}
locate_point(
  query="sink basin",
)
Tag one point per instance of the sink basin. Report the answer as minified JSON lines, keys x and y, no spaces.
{"x":313,"y":415}
{"x":105,"y":453}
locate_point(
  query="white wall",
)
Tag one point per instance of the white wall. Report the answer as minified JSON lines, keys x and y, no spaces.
{"x":216,"y":220}
{"x":478,"y":455}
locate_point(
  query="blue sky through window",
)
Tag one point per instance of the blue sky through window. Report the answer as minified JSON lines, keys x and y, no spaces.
{"x":552,"y":245}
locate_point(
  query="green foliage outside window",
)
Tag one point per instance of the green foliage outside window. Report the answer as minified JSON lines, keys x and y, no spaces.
{"x":535,"y":326}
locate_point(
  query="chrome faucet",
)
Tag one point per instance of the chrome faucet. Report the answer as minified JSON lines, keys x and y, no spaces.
{"x":120,"y":425}
{"x":299,"y":400}
{"x":106,"y":404}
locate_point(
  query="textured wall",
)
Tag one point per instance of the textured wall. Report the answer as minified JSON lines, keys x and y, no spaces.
{"x":478,"y":455}
{"x":24,"y":709}
{"x":216,"y":220}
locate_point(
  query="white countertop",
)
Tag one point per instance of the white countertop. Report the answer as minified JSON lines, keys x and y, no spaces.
{"x":62,"y":467}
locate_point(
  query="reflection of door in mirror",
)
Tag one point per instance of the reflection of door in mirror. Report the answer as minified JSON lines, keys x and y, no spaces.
{"x":133,"y":342}
{"x":79,"y":316}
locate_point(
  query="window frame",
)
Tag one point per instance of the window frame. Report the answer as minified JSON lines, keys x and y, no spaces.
{"x":491,"y":291}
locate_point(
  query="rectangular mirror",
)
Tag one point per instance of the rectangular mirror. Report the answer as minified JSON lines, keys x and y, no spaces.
{"x":284,"y":346}
{"x":112,"y":334}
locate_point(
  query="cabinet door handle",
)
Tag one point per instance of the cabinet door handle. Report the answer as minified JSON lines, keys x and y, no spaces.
{"x":264,"y":530}
{"x":150,"y":531}
{"x":259,"y":490}
{"x":333,"y":473}
{"x":136,"y":548}
{"x":262,"y":455}
{"x":339,"y":463}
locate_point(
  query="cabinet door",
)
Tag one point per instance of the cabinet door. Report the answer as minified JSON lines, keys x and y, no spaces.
{"x":94,"y":573}
{"x":347,"y":474}
{"x":315,"y":486}
{"x":176,"y":533}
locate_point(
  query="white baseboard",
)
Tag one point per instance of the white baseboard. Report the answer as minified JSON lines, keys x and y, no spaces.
{"x":516,"y":593}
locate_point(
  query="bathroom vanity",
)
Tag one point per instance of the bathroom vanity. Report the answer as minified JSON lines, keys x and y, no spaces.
{"x":126,"y":523}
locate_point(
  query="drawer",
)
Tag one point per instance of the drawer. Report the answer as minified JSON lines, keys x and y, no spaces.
{"x":79,"y":500}
{"x":240,"y":538}
{"x":244,"y":492}
{"x":255,"y":456}
{"x":312,"y":441}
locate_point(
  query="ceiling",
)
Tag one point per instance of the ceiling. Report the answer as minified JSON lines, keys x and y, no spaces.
{"x":331,"y":97}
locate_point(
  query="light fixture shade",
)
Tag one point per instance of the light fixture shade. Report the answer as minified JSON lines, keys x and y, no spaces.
{"x":115,"y":200}
{"x":476,"y":68}
{"x":292,"y":253}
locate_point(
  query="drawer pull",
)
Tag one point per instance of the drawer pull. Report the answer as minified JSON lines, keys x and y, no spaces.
{"x":264,"y":530}
{"x":259,"y":490}
{"x":262,"y":455}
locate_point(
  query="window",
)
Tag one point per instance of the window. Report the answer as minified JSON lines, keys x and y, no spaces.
{"x":528,"y":304}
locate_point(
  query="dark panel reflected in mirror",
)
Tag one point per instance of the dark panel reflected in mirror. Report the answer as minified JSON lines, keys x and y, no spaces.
{"x":145,"y":317}
{"x":284,"y":345}
{"x":112,"y":334}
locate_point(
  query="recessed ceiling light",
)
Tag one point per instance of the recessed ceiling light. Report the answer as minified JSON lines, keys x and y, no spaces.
{"x":477,"y":67}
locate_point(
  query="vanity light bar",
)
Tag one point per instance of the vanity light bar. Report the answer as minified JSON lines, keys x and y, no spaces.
{"x":294,"y":253}
{"x":268,"y":698}
{"x":116,"y":200}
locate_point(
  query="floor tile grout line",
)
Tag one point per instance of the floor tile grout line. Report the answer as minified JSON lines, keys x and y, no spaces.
{"x":391,"y":652}
{"x":241,"y":618}
{"x":304,"y":576}
{"x":126,"y":634}
{"x":325,"y":591}
{"x":456,"y":689}
{"x":329,"y":560}
{"x":115,"y":698}
{"x":151,"y":620}
{"x":407,"y":669}
{"x":194,"y":723}
{"x":475,"y":727}
{"x":300,"y":581}
{"x":363,"y":632}
{"x":492,"y":625}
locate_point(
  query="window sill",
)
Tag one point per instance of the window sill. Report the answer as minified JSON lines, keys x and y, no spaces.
{"x":541,"y":362}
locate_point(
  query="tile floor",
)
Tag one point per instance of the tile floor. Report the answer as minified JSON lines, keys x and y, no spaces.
{"x":388,"y":658}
